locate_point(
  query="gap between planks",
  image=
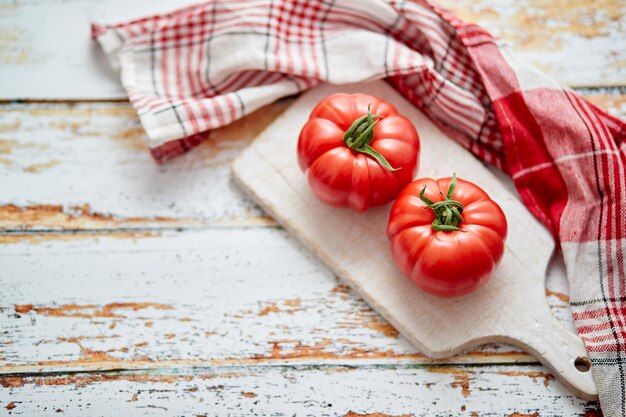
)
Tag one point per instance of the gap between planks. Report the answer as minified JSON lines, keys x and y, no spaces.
{"x":411,"y":361}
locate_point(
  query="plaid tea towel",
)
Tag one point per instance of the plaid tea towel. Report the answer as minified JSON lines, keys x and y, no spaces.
{"x":205,"y":66}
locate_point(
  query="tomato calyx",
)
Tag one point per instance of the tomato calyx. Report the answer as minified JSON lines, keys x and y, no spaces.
{"x":447,"y":212}
{"x":360,"y":134}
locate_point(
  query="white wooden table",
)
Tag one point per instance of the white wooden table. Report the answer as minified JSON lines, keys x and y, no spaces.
{"x":131,"y":288}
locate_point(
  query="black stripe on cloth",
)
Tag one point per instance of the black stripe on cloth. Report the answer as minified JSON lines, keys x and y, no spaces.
{"x":180,"y":122}
{"x":599,"y":240}
{"x":156,"y":90}
{"x":439,"y":65}
{"x":168,"y":108}
{"x":294,"y":81}
{"x":216,"y":87}
{"x":436,"y":94}
{"x":607,"y":361}
{"x":242,"y":106}
{"x":598,"y":300}
{"x":153,"y":65}
{"x":251,"y":32}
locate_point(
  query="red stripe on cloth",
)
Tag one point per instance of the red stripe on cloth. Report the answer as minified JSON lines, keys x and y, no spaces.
{"x":315,"y":34}
{"x":609,"y":174}
{"x":607,"y":347}
{"x":602,"y":338}
{"x":172,"y":149}
{"x":589,"y":314}
{"x":594,"y":327}
{"x":179,"y":65}
{"x":544,"y":193}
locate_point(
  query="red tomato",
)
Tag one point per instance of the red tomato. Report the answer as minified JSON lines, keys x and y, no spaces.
{"x":446,"y":235}
{"x":357,"y":151}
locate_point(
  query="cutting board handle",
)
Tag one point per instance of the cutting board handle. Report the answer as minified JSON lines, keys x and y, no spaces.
{"x":558,"y":349}
{"x":510,"y":308}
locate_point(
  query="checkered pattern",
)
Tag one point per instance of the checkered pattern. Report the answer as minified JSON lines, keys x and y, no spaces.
{"x":205,"y":66}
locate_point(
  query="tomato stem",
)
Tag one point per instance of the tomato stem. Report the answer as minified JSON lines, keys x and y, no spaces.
{"x":447,"y":212}
{"x":360,"y":134}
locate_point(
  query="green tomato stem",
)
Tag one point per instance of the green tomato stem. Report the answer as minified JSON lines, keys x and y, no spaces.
{"x":360,"y":134}
{"x":447,"y":212}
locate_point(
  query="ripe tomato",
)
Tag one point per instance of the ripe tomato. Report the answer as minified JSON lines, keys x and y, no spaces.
{"x":357,"y":151}
{"x":446,"y":235}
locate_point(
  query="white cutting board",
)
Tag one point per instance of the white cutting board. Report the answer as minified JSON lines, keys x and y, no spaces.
{"x":510,"y":308}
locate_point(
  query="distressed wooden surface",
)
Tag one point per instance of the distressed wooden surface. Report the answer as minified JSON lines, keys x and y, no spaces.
{"x":575,"y":42}
{"x":321,"y":390}
{"x":90,"y":311}
{"x":194,"y":297}
{"x":176,"y":306}
{"x":128,"y":288}
{"x":86,"y":166}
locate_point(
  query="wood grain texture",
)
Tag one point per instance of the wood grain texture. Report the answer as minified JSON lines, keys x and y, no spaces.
{"x":86,"y":166}
{"x":66,"y":53}
{"x":575,"y":42}
{"x":398,"y":390}
{"x":195,"y":298}
{"x":563,"y":38}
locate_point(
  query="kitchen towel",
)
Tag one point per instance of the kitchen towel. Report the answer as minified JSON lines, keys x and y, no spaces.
{"x":204,"y":66}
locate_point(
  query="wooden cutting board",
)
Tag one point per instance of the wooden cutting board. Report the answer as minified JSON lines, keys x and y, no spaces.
{"x":510,"y":308}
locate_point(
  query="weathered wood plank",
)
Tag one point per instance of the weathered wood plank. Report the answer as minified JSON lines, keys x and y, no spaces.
{"x":46,"y":49}
{"x":560,"y":37}
{"x":203,"y":297}
{"x":286,"y":390}
{"x":577,"y":44}
{"x":86,"y":166}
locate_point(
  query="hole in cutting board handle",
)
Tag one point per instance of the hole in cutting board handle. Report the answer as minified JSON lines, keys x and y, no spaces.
{"x":582,"y":364}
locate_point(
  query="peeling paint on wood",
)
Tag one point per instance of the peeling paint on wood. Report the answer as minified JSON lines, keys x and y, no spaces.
{"x":82,"y":217}
{"x":558,"y":36}
{"x":43,"y":238}
{"x":49,"y":153}
{"x":547,"y":377}
{"x":88,"y":311}
{"x":543,"y":25}
{"x":38,"y":168}
{"x":615,"y":103}
{"x":461,"y":378}
{"x":558,"y":295}
{"x":316,"y":390}
{"x":194,"y":298}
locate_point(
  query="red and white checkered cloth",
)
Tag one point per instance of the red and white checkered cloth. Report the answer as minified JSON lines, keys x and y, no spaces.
{"x":205,"y":66}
